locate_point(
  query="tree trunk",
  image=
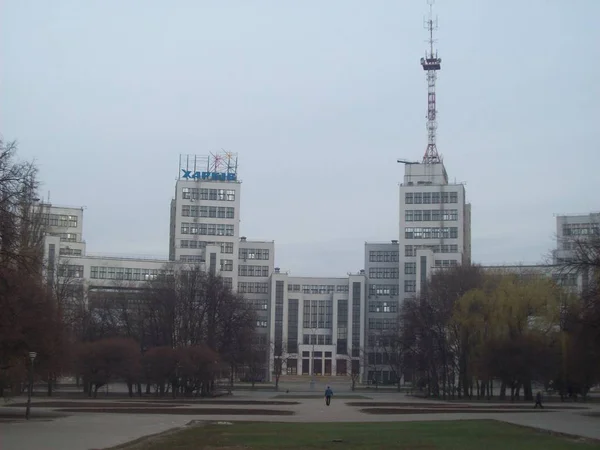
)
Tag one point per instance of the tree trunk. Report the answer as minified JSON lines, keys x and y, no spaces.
{"x":139,"y":389}
{"x":96,"y":387}
{"x":49,"y":386}
{"x":148,"y":388}
{"x":502,"y":390}
{"x":130,"y":388}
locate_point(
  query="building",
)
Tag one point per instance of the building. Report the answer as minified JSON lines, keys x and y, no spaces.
{"x":322,"y":326}
{"x":435,"y":224}
{"x":321,"y":323}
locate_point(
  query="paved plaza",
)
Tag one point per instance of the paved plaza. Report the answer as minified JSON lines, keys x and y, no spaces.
{"x":84,"y":431}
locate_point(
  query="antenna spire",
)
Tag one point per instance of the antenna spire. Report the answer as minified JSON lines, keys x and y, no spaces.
{"x":431,"y":64}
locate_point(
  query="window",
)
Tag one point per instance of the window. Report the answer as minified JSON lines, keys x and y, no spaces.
{"x":383,"y":272}
{"x":410,"y":285}
{"x":227,"y":265}
{"x":66,"y":251}
{"x":453,"y":197}
{"x":408,"y":198}
{"x":435,"y":198}
{"x":253,"y":287}
{"x":253,"y":271}
{"x":427,"y":197}
{"x":192,"y":259}
{"x":408,"y":215}
{"x":418,"y":197}
{"x":408,"y":250}
{"x":430,"y":232}
{"x":210,"y":229}
{"x":383,"y":289}
{"x":383,"y":256}
{"x":410,"y":268}
{"x":383,"y":306}
{"x":261,"y":324}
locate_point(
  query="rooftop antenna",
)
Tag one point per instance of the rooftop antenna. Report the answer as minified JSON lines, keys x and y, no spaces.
{"x":431,"y":64}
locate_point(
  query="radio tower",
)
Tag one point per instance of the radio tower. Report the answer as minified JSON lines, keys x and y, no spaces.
{"x":431,"y":63}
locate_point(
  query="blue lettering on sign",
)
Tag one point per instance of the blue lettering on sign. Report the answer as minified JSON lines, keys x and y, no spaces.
{"x":216,"y":176}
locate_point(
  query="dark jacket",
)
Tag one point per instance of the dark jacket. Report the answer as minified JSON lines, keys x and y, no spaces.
{"x":328,"y":392}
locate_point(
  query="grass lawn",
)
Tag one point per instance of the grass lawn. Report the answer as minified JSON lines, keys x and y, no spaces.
{"x":455,"y":435}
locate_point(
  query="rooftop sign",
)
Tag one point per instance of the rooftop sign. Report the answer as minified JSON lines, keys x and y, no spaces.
{"x":214,"y":176}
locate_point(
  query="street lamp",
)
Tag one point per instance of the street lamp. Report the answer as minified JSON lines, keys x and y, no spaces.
{"x":32,"y":356}
{"x":313,"y":339}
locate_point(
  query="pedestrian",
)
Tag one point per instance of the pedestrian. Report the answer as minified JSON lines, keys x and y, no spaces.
{"x":328,"y":395}
{"x":538,"y":400}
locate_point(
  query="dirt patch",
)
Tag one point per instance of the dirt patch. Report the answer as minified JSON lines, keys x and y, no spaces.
{"x":184,"y":411}
{"x":453,"y":405}
{"x":444,"y":411}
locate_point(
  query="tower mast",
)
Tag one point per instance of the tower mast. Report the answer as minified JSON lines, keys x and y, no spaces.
{"x":431,"y":64}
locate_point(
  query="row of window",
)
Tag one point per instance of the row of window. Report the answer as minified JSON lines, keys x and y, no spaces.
{"x":317,"y":314}
{"x":254,"y":253}
{"x":318,"y":288}
{"x":579,"y":229}
{"x":383,"y":272}
{"x":192,"y":259}
{"x":208,"y":194}
{"x":59,"y":220}
{"x":226,"y":247}
{"x":429,"y":215}
{"x":220,"y":212}
{"x":65,"y":251}
{"x":433,"y":198}
{"x":253,"y":271}
{"x":382,"y":306}
{"x":383,"y":256}
{"x":445,"y":262}
{"x":411,"y":250}
{"x":70,"y":271}
{"x":259,"y":304}
{"x":382,"y":324}
{"x":430,"y":232}
{"x":66,"y":237}
{"x":207,"y":229}
{"x":122,"y":273}
{"x":317,"y":339}
{"x":383,"y":289}
{"x":251,"y":287}
{"x":261,"y":324}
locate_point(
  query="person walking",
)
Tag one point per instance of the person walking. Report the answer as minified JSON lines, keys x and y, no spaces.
{"x":538,"y":400}
{"x":328,"y":395}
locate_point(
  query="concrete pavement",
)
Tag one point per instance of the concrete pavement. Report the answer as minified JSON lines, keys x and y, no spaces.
{"x":85,"y":431}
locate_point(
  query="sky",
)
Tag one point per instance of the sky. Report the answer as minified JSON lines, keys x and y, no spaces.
{"x":319,"y":99}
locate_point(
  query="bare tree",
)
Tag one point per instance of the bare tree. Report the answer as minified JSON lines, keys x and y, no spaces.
{"x":281,"y":357}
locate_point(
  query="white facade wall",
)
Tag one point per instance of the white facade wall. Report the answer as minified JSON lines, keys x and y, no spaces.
{"x":316,"y":336}
{"x":207,"y":212}
{"x":434,"y":218}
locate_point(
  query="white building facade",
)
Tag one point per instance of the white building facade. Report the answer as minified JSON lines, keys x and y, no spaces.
{"x":324,"y":326}
{"x":435,"y":225}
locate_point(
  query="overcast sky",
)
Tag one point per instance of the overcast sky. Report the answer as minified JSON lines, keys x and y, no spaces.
{"x":319,"y":99}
